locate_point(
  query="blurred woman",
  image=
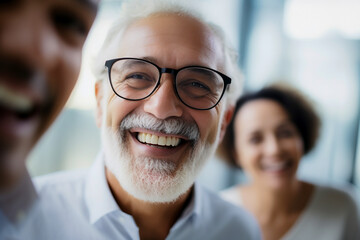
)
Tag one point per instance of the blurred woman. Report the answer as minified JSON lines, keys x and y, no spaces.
{"x":271,"y":131}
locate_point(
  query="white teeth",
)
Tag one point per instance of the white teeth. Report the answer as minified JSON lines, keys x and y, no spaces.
{"x":154,"y":139}
{"x":174,"y":141}
{"x":148,"y":138}
{"x":168,"y":141}
{"x":162,"y":141}
{"x":158,"y":140}
{"x":14,"y":100}
{"x":276,"y":166}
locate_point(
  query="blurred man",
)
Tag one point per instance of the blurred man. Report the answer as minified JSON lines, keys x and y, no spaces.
{"x":163,"y":105}
{"x":40,"y":56}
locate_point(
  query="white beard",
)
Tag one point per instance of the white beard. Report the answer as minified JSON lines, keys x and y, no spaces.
{"x":148,"y":179}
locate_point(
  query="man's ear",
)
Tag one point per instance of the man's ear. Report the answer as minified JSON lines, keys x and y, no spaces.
{"x":227,"y":118}
{"x":99,"y":94}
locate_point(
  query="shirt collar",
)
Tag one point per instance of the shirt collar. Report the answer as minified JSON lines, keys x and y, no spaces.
{"x":194,"y":207}
{"x":98,"y":197}
{"x":192,"y":213}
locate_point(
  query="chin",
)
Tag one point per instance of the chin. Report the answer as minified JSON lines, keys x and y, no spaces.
{"x":280,"y":184}
{"x":148,"y":179}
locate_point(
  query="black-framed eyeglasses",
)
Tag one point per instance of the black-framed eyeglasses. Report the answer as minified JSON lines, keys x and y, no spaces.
{"x":197,"y":87}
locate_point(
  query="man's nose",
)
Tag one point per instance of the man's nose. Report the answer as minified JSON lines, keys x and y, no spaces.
{"x":29,"y":36}
{"x":164,"y":103}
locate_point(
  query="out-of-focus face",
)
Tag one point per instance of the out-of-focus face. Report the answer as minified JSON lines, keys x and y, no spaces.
{"x":40,"y":57}
{"x":151,"y":171}
{"x":267,"y":144}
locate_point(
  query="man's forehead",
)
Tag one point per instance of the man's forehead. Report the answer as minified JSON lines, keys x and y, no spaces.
{"x":171,"y":18}
{"x":169,"y":30}
{"x":132,"y":40}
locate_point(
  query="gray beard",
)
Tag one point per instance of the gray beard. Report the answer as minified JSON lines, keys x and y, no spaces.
{"x":149,"y":179}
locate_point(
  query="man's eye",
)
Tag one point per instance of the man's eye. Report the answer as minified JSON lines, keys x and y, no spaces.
{"x":68,"y":21}
{"x":194,"y":85}
{"x":199,"y":85}
{"x":137,"y":76}
{"x":138,"y":81}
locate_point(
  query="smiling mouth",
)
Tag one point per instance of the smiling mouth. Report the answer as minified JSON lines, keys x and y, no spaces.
{"x":277,"y":167}
{"x":162,"y":141}
{"x":15,"y":102}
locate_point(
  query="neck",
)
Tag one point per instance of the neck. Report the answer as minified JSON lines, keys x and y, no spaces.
{"x":267,"y":201}
{"x":16,"y":201}
{"x":12,"y":169}
{"x":153,"y":219}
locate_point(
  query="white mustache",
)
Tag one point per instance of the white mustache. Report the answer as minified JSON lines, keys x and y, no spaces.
{"x":174,"y":125}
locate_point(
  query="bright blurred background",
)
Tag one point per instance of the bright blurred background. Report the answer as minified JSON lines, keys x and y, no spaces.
{"x":313,"y":44}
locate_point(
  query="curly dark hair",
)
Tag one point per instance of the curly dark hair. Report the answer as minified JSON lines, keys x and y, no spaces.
{"x":301,"y":113}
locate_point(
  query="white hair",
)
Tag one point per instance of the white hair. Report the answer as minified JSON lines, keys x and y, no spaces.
{"x":134,"y":10}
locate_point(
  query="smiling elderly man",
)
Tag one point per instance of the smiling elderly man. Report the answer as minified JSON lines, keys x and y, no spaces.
{"x":164,"y":101}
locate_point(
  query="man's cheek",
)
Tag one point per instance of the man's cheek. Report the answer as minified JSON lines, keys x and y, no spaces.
{"x":209,"y":127}
{"x":209,"y":131}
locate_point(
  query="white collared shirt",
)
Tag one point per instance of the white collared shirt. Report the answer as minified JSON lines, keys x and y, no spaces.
{"x":26,"y":214}
{"x":84,"y":202}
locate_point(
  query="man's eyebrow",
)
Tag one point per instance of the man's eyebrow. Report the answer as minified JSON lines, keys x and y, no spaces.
{"x":93,"y":5}
{"x":155,"y":61}
{"x":150,"y":59}
{"x":129,"y":64}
